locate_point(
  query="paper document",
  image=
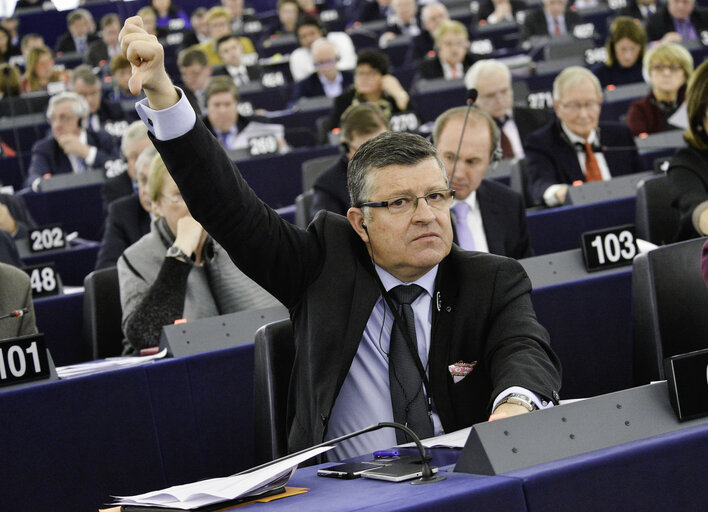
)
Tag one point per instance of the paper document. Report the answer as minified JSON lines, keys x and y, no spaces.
{"x":103,"y":365}
{"x":215,"y":490}
{"x":455,"y":439}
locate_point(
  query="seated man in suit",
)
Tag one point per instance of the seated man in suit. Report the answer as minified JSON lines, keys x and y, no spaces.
{"x":8,"y":250}
{"x":128,"y":217}
{"x":69,"y":147}
{"x":134,"y":141}
{"x":553,"y":20}
{"x":358,"y":124}
{"x":308,"y":30}
{"x":639,"y":9}
{"x":219,"y":25}
{"x":453,"y":58}
{"x":576,"y":147}
{"x":353,"y":368}
{"x":495,"y":96}
{"x":678,"y":20}
{"x":79,"y":36}
{"x":487,"y":216}
{"x":195,"y":71}
{"x":404,"y":21}
{"x":497,"y":11}
{"x":432,"y":15}
{"x":327,"y":80}
{"x":231,"y":53}
{"x":15,"y":294}
{"x":104,"y":113}
{"x":239,"y":17}
{"x":101,"y":51}
{"x":15,"y":218}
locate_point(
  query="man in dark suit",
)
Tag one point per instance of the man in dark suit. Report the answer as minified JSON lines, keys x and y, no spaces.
{"x":495,"y":96}
{"x":432,"y":15}
{"x":639,"y":9}
{"x":15,"y":218}
{"x":8,"y":251}
{"x":195,"y":71}
{"x":452,"y":59}
{"x":678,"y":20}
{"x":230,"y":51}
{"x":15,"y":293}
{"x":327,"y":80}
{"x":101,"y":51}
{"x":104,"y":113}
{"x":359,"y":123}
{"x":128,"y":217}
{"x":346,"y":376}
{"x":488,"y":216}
{"x":79,"y":36}
{"x":575,"y":147}
{"x":69,"y":147}
{"x":552,"y":20}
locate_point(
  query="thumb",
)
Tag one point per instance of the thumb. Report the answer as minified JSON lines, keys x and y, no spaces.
{"x":135,"y":83}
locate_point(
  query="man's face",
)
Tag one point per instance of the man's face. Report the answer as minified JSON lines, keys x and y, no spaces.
{"x":434,"y":16}
{"x":122,"y":77}
{"x":325,"y":59}
{"x":555,"y":7}
{"x":452,"y":48}
{"x":359,"y":138}
{"x":287,"y":14}
{"x":63,"y":120}
{"x":195,"y":76}
{"x":308,"y":34}
{"x":143,"y":190}
{"x":681,"y":9}
{"x":405,"y":9}
{"x":222,"y":110}
{"x":473,"y":161}
{"x":235,"y":7}
{"x":131,"y":152}
{"x":150,"y":23}
{"x":80,"y":27}
{"x":32,"y":42}
{"x":408,"y":245}
{"x":199,"y":25}
{"x":218,"y":27}
{"x":109,"y":34}
{"x":91,"y":93}
{"x":495,"y":95}
{"x":10,"y":24}
{"x":230,"y":52}
{"x":579,"y":107}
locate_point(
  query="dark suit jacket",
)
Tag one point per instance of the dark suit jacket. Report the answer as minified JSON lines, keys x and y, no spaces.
{"x":330,"y":189}
{"x":8,"y":252}
{"x":535,"y":23}
{"x":115,"y":188}
{"x":528,"y":120}
{"x":65,"y":43}
{"x":431,"y":67}
{"x":504,"y":220}
{"x":421,"y":46}
{"x":15,"y":293}
{"x":661,"y":22}
{"x":617,"y":75}
{"x":126,"y":223}
{"x":18,"y":209}
{"x":311,"y":87}
{"x":487,"y":8}
{"x":688,"y":185}
{"x":48,"y":157}
{"x":551,"y":159}
{"x":325,"y":277}
{"x":633,"y":11}
{"x":97,"y":54}
{"x":255,"y":72}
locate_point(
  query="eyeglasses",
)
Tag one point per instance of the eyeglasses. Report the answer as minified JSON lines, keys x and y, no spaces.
{"x":660,"y":68}
{"x":61,"y":118}
{"x":177,"y":198}
{"x":498,"y":95}
{"x":326,"y":63}
{"x":438,"y":199}
{"x":366,"y":74}
{"x":575,"y":108}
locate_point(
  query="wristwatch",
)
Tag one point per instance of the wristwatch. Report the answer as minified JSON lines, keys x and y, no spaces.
{"x":518,"y":399}
{"x":179,"y":254}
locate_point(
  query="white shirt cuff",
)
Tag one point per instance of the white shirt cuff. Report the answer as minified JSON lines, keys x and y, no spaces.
{"x":549,"y":196}
{"x":91,"y":157}
{"x":541,"y":404}
{"x":168,"y":123}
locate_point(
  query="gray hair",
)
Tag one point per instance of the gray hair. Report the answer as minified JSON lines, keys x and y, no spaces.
{"x":145,"y":158}
{"x":323,"y":41}
{"x":389,"y":148}
{"x":85,"y":73}
{"x":135,"y":131}
{"x":79,"y":105}
{"x":425,"y":12}
{"x":483,"y":68}
{"x":573,"y":76}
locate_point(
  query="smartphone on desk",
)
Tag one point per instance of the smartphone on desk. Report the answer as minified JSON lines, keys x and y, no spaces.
{"x":396,"y":472}
{"x":348,"y":470}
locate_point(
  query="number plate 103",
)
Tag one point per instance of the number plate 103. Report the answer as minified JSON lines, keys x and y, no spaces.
{"x":611,"y":247}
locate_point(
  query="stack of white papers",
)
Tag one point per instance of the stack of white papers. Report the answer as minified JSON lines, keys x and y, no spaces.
{"x":104,"y":365}
{"x":215,"y":490}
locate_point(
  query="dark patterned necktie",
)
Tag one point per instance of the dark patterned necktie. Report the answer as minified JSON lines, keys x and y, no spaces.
{"x":407,"y":393}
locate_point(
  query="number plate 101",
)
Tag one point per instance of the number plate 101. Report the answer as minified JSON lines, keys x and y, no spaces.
{"x":23,"y":359}
{"x":606,"y":248}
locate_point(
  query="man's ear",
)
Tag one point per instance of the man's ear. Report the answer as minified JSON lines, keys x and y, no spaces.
{"x":358,"y":222}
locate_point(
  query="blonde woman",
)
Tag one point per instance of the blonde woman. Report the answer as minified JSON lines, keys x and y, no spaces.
{"x":40,"y":70}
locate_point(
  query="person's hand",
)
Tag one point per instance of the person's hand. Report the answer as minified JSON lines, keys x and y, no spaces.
{"x":393,"y":88}
{"x":507,"y":409}
{"x":561,"y":193}
{"x":7,"y":221}
{"x":72,"y":145}
{"x":385,"y":38}
{"x":190,"y":235}
{"x":502,"y":10}
{"x":703,"y":223}
{"x":147,"y":61}
{"x":671,"y":37}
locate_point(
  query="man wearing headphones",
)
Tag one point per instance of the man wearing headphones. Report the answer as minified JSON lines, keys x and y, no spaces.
{"x":487,"y":216}
{"x":70,"y":147}
{"x":15,"y":294}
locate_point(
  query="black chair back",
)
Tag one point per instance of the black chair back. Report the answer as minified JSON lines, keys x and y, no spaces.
{"x":102,"y":313}
{"x":656,"y":220}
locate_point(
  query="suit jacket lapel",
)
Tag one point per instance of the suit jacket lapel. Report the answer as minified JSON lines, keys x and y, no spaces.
{"x":566,"y":156}
{"x":493,"y":229}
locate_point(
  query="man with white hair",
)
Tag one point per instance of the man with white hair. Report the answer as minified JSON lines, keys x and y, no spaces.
{"x":308,"y":30}
{"x":576,"y":147}
{"x":431,"y":17}
{"x":69,"y":147}
{"x":492,"y":79}
{"x":327,"y":80}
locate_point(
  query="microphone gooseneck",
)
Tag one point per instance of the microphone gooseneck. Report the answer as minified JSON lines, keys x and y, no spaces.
{"x":471,"y":98}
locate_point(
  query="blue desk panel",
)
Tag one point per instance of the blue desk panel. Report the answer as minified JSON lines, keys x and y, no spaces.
{"x":61,"y":320}
{"x":72,"y":264}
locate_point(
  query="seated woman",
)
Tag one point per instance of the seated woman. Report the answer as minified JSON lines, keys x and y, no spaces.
{"x":688,"y":172}
{"x":40,"y":70}
{"x":177,"y":271}
{"x":170,"y":16}
{"x":625,"y":46}
{"x":667,"y":67}
{"x":7,"y":49}
{"x":9,"y":80}
{"x":453,"y":58}
{"x":372,"y":84}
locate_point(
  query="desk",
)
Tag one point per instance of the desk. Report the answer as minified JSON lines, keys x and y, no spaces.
{"x":60,"y":318}
{"x":72,"y":264}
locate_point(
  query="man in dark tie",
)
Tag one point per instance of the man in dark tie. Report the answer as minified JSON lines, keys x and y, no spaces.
{"x":471,"y":343}
{"x":552,"y":20}
{"x":487,"y":216}
{"x":231,"y":53}
{"x":678,"y":20}
{"x":495,"y":96}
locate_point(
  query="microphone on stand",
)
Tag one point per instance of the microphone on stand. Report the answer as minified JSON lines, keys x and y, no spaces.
{"x":471,"y":98}
{"x":18,"y":313}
